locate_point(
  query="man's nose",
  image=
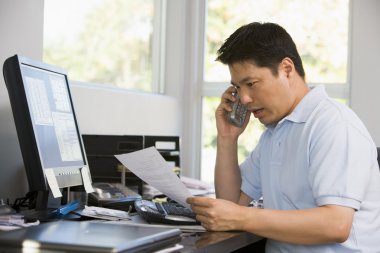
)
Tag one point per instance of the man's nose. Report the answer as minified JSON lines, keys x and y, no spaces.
{"x":245,"y":98}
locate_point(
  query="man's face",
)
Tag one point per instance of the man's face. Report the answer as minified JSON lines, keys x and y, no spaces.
{"x":268,"y":97}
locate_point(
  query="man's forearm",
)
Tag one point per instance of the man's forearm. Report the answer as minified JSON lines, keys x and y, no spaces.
{"x":227,"y":173}
{"x":328,"y":224}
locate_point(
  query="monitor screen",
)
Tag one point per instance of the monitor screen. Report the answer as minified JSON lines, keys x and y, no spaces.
{"x":45,"y":120}
{"x":52,"y":118}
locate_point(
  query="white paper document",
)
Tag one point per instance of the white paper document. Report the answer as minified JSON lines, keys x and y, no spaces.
{"x":151,"y":167}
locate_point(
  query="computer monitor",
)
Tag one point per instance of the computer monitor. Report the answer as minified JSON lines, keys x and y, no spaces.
{"x":47,"y":129}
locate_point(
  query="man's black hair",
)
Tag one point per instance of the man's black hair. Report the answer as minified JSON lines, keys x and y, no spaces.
{"x":265,"y":44}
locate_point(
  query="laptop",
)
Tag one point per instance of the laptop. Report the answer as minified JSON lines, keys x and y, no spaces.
{"x":75,"y":236}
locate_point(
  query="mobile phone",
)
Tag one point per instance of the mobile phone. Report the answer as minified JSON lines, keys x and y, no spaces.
{"x":238,"y":113}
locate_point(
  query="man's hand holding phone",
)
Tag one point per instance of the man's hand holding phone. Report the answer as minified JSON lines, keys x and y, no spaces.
{"x":238,"y":113}
{"x":231,"y":115}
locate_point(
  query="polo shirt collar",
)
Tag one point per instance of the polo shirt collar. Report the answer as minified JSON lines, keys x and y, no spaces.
{"x":307,"y":105}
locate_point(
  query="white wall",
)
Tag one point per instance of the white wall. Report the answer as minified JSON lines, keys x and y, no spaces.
{"x":365,"y":64}
{"x":21,"y":33}
{"x":102,"y":110}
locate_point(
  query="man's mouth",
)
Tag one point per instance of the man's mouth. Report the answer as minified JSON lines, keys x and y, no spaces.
{"x":257,"y":113}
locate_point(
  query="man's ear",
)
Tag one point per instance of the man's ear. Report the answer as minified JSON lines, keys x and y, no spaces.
{"x":287,"y":66}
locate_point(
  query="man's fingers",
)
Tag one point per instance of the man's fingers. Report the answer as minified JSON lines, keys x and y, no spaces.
{"x":198,"y":201}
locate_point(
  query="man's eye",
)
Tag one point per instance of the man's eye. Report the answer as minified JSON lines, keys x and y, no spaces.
{"x":251,"y":84}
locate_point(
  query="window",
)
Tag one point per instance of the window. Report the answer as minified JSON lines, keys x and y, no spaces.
{"x":106,"y":42}
{"x":324,"y":52}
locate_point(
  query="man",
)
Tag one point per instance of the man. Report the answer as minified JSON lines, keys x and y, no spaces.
{"x":315,"y":165}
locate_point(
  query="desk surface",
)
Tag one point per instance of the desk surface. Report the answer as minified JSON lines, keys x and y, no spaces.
{"x":217,"y":241}
{"x":210,"y":242}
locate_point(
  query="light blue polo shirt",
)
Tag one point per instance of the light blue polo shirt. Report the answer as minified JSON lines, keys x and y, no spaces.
{"x":320,"y":154}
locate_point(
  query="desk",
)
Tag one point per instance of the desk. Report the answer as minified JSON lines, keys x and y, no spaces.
{"x":208,"y":242}
{"x":213,"y":242}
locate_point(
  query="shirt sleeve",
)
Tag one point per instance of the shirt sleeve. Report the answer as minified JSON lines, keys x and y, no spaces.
{"x":340,"y":163}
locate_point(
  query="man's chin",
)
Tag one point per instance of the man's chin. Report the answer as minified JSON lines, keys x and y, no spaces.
{"x":267,"y":123}
{"x":263,"y":121}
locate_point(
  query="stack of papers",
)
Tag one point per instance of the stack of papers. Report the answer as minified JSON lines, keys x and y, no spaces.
{"x":198,"y":187}
{"x":14,"y":221}
{"x":105,"y":213}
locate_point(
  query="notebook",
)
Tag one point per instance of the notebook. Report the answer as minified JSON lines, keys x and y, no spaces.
{"x":74,"y":236}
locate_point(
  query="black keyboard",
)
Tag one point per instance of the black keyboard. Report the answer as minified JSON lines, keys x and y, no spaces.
{"x":174,"y":209}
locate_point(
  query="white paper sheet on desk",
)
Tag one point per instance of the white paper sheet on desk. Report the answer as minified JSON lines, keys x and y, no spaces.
{"x":151,"y":167}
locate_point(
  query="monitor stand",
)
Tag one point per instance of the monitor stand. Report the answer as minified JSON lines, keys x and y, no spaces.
{"x":46,"y":209}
